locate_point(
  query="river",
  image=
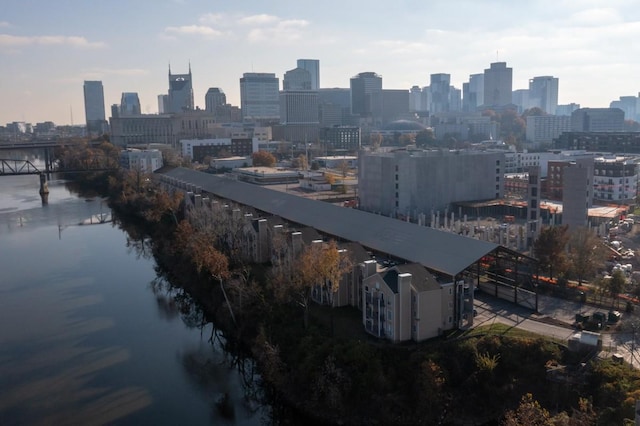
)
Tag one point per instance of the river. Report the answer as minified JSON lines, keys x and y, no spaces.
{"x":89,"y":334}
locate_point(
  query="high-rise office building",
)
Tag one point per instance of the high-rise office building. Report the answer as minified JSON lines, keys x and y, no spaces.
{"x":362,"y":86}
{"x":297,"y":79}
{"x":260,"y":97}
{"x":415,"y":99}
{"x":498,"y":84}
{"x":543,"y":93}
{"x":94,"y":107}
{"x":180,"y":92}
{"x":214,"y":98}
{"x":473,"y":93}
{"x":439,"y":88}
{"x":129,"y":104}
{"x":313,"y":66}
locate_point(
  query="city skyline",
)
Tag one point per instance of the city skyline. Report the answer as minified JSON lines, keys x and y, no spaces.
{"x":50,"y":48}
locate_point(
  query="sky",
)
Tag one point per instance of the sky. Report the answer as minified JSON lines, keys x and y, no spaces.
{"x":49,"y":48}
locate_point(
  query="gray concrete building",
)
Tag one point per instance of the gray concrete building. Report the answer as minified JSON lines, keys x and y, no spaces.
{"x":410,"y":183}
{"x":161,"y":128}
{"x":577,"y":192}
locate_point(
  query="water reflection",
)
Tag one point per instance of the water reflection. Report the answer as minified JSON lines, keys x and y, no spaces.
{"x":234,"y":398}
{"x":84,"y":337}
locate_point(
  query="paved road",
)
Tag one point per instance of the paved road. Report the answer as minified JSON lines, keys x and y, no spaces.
{"x":562,"y":313}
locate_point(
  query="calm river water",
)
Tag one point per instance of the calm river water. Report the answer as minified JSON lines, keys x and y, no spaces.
{"x":84,"y":336}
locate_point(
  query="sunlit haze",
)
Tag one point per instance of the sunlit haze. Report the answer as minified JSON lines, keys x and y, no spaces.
{"x":48,"y":48}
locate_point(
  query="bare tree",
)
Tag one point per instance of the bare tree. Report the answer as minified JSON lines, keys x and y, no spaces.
{"x":585,"y":253}
{"x":319,"y":265}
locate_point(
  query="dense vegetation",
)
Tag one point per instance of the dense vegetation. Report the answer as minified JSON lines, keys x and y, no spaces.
{"x":329,"y":368}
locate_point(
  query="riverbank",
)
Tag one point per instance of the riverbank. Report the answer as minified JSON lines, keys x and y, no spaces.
{"x":346,"y":378}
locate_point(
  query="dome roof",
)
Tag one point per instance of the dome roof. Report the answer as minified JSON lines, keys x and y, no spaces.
{"x":404,"y":125}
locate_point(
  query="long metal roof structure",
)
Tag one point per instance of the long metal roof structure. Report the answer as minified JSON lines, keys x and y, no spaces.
{"x":438,"y":251}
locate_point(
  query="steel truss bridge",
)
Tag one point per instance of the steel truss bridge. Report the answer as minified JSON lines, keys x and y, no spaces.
{"x":10,"y":167}
{"x":18,"y":167}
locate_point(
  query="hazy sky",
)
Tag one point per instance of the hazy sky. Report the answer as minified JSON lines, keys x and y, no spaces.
{"x":48,"y":48}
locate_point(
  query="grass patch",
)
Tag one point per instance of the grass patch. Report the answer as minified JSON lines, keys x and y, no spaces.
{"x":502,"y":330}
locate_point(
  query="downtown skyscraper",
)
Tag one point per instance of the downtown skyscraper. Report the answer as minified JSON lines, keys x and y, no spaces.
{"x":260,"y":97}
{"x":313,"y":66}
{"x":180,"y":97}
{"x":94,"y":107}
{"x":498,"y":84}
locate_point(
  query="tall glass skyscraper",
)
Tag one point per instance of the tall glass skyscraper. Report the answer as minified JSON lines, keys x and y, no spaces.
{"x":313,"y":66}
{"x":129,"y":104}
{"x":94,"y":107}
{"x":543,"y":93}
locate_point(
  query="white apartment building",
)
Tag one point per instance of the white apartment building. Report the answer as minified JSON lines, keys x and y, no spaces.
{"x":406,"y":302}
{"x":615,"y":179}
{"x":147,"y":160}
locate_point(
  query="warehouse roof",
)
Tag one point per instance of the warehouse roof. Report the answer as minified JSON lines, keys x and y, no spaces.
{"x":438,"y":251}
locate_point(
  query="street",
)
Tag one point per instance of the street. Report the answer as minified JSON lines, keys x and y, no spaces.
{"x":553,"y":311}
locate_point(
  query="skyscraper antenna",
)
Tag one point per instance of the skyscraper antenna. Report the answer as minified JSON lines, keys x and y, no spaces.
{"x":497,"y":58}
{"x":71,"y":113}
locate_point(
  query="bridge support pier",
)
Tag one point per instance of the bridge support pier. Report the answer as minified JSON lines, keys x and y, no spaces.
{"x":44,"y":188}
